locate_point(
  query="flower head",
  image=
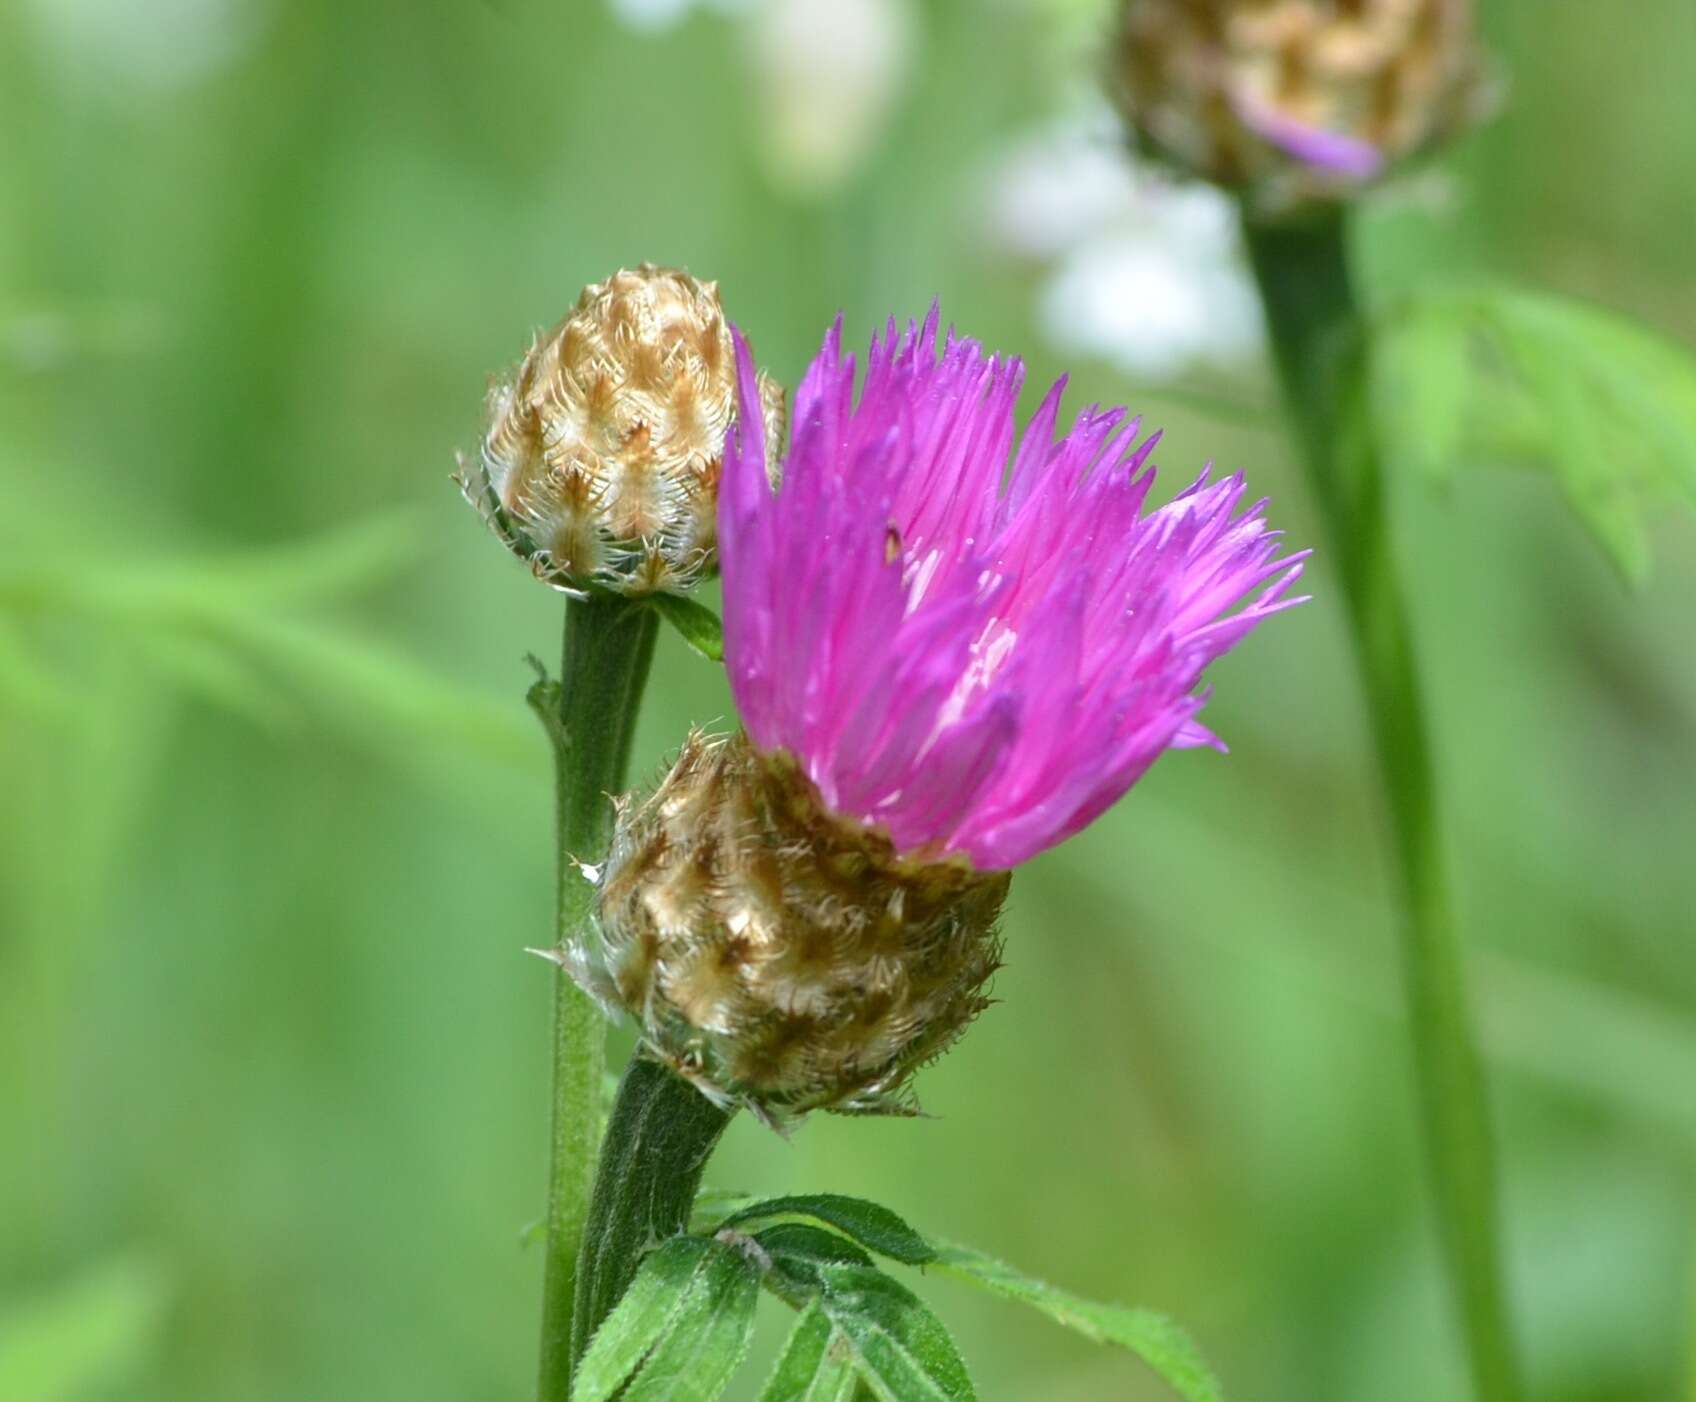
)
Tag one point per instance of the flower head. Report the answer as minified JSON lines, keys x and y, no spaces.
{"x":949,"y":653}
{"x":1296,"y":99}
{"x":601,"y":459}
{"x":973,"y":647}
{"x":774,"y":954}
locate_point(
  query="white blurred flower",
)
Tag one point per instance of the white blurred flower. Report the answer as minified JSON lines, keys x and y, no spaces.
{"x":828,"y":73}
{"x":1142,"y":272}
{"x":663,"y":14}
{"x":154,"y":43}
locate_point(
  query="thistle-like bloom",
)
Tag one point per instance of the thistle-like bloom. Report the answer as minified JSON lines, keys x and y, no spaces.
{"x":775,"y":954}
{"x":949,"y":654}
{"x":1296,"y":99}
{"x":601,"y":460}
{"x":977,"y":658}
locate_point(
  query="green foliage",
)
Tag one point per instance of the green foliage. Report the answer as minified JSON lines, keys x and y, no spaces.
{"x":681,"y":1329}
{"x":630,"y":1331}
{"x":87,"y":1336}
{"x":714,"y":1205}
{"x":707,"y":1336}
{"x":296,"y":1054}
{"x":875,"y":1227}
{"x":815,"y":1365}
{"x":801,"y":1251}
{"x":1504,"y":374}
{"x":239,"y":630}
{"x":900,"y":1349}
{"x":857,"y":1320}
{"x":695,"y":623}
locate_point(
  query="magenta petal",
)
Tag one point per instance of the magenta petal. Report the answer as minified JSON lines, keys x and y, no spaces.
{"x":1347,"y":156}
{"x":977,"y":643}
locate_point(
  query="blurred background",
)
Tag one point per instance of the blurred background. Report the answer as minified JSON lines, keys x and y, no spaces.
{"x":275,"y":824}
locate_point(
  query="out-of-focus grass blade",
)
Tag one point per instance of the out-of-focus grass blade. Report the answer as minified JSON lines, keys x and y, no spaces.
{"x":28,"y":682}
{"x":219,"y":629}
{"x":90,"y":1335}
{"x":387,"y":697}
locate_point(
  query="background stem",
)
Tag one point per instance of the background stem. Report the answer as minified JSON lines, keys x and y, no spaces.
{"x":1320,"y":345}
{"x":659,"y":1139}
{"x":591,"y":716}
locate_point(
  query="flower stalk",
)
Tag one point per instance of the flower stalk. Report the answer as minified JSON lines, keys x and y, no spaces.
{"x":590,"y":715}
{"x":1320,"y":347}
{"x":658,"y":1141}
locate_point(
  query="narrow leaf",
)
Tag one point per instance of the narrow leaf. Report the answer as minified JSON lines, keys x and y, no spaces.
{"x":1152,"y":1337}
{"x":897,"y":1345}
{"x":707,"y":1335}
{"x":697,"y":624}
{"x":655,"y":1296}
{"x":875,"y":1227}
{"x":797,"y":1250}
{"x":816,"y":1364}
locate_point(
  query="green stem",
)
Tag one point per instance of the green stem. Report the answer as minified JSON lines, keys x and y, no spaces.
{"x":591,"y":715}
{"x":1319,"y":342}
{"x":658,"y":1141}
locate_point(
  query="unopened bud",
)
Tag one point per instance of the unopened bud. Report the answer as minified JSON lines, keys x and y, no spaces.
{"x":776,"y":954}
{"x":601,"y":459}
{"x":1296,"y":99}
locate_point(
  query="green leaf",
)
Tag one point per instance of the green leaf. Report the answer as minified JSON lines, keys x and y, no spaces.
{"x":897,"y":1345}
{"x":713,"y":1205}
{"x":654,"y":1298}
{"x":806,"y":1258}
{"x":816,"y":1364}
{"x":91,"y":1334}
{"x":799,"y":1250}
{"x":1152,"y":1337}
{"x":707,"y":1335}
{"x":875,"y":1227}
{"x":1423,"y":386}
{"x":697,"y":624}
{"x":1504,"y":374}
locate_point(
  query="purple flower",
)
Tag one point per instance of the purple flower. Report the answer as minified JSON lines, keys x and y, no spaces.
{"x":980,"y":659}
{"x":1334,"y":151}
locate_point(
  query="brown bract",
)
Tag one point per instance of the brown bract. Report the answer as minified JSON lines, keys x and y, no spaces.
{"x":776,"y":954}
{"x":1200,"y":81}
{"x":601,"y":459}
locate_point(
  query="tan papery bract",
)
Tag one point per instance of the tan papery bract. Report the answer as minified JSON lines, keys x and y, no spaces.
{"x":776,"y":954}
{"x":1192,"y":75}
{"x":601,"y":459}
